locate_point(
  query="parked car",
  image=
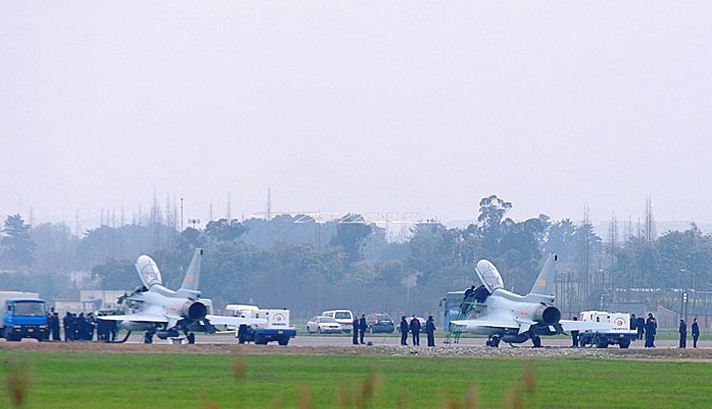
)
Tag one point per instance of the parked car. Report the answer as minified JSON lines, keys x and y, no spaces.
{"x":323,"y":325}
{"x":409,"y":319}
{"x":343,"y":317}
{"x":380,"y":323}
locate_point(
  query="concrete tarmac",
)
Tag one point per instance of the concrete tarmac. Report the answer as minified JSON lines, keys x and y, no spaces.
{"x":344,"y":341}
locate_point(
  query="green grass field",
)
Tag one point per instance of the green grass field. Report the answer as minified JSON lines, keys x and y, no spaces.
{"x":94,"y":380}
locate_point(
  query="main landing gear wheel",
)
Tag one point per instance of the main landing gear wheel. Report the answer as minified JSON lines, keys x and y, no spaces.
{"x":536,"y":340}
{"x":191,"y":338}
{"x":493,"y":342}
{"x":148,"y":338}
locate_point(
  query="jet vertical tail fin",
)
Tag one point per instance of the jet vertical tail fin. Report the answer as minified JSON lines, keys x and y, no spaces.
{"x":192,"y":276}
{"x":544,"y":284}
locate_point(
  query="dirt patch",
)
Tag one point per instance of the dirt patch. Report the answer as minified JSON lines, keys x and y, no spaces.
{"x":670,"y":354}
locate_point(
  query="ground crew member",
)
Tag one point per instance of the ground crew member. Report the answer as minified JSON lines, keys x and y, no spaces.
{"x":633,"y":322}
{"x":683,"y":334}
{"x":430,"y":331}
{"x":404,"y":331}
{"x":67,"y":322}
{"x":650,"y":329}
{"x":354,"y":338}
{"x":54,"y":327}
{"x":481,"y":294}
{"x":641,"y":326}
{"x":695,"y":332}
{"x":362,"y":328}
{"x":465,"y":307}
{"x":80,"y":327}
{"x":575,"y":336}
{"x":415,"y":330}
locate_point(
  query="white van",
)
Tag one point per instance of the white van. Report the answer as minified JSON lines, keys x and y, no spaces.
{"x":343,"y":317}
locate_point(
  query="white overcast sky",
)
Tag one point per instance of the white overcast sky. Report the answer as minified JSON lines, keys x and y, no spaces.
{"x":357,"y":106}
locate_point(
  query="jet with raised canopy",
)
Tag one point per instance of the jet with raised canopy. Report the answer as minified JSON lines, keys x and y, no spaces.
{"x":157,"y":310}
{"x":513,"y":318}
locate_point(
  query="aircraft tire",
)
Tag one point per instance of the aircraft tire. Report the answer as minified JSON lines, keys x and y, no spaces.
{"x":148,"y":338}
{"x":191,"y":338}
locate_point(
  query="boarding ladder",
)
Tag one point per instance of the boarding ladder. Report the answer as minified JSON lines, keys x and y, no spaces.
{"x":455,"y":331}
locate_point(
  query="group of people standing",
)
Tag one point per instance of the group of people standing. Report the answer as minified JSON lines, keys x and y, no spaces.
{"x":646,"y":328}
{"x":414,"y":328}
{"x":682,"y":330}
{"x":80,"y":327}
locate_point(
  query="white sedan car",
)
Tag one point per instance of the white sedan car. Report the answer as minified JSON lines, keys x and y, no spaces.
{"x":323,"y":325}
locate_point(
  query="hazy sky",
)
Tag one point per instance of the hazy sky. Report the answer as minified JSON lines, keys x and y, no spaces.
{"x":357,"y":106}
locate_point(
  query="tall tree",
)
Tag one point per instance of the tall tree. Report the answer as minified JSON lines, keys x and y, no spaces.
{"x":492,"y":211}
{"x":17,"y":244}
{"x":351,"y":233}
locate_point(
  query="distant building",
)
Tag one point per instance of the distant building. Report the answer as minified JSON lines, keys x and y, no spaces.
{"x":89,"y":301}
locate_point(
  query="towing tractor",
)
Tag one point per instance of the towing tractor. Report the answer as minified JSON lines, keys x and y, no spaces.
{"x":619,"y":334}
{"x":276,"y":329}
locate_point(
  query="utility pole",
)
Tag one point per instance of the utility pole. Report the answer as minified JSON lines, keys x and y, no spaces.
{"x":181,"y":214}
{"x":228,"y":214}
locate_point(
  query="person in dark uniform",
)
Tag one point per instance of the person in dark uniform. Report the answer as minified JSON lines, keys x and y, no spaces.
{"x":404,"y":331}
{"x":575,"y":336}
{"x":633,"y":322}
{"x":469,"y":293}
{"x":430,"y":331}
{"x":67,"y":323}
{"x":361,"y":328}
{"x":54,"y":327}
{"x":682,"y":330}
{"x":641,"y":326}
{"x":481,"y":294}
{"x":415,"y":330}
{"x":695,"y":332}
{"x":354,"y":333}
{"x":80,"y":327}
{"x":650,"y":329}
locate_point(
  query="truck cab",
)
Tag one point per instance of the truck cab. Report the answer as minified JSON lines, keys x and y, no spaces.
{"x":23,"y":318}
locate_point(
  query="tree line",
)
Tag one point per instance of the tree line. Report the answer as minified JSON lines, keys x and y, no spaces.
{"x":310,"y":266}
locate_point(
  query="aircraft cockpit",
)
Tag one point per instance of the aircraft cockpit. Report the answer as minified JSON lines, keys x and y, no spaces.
{"x":148,"y":272}
{"x":489,"y":276}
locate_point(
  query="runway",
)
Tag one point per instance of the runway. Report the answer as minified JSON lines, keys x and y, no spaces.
{"x":391,"y":341}
{"x":344,"y":341}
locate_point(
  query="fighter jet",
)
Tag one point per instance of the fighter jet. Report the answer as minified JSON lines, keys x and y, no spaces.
{"x":155,"y":309}
{"x":513,"y":318}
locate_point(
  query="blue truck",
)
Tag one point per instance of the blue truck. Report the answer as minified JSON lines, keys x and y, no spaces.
{"x":24,"y":315}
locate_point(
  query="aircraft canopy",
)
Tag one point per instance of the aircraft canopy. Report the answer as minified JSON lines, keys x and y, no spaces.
{"x":148,"y":271}
{"x":489,"y":275}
